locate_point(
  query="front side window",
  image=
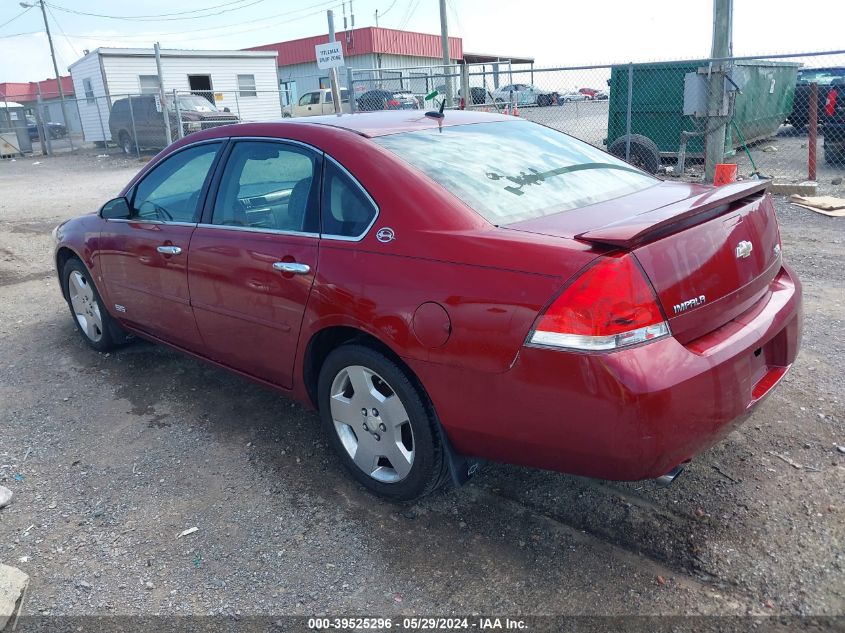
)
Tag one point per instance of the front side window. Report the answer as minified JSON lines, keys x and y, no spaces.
{"x":171,"y":191}
{"x":268,"y":185}
{"x":347,"y":211}
{"x":246,"y":86}
{"x":542,"y":171}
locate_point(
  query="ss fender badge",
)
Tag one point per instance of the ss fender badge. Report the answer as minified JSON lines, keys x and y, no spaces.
{"x":385,"y":235}
{"x":683,"y":306}
{"x":743,"y":249}
{"x":119,"y":307}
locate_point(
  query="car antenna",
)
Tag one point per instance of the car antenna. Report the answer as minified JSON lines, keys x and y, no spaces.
{"x":436,"y":114}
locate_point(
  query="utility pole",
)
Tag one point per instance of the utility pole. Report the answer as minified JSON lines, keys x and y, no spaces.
{"x":444,"y":44}
{"x":333,"y":70}
{"x":55,"y":65}
{"x":161,"y":96}
{"x":714,"y":147}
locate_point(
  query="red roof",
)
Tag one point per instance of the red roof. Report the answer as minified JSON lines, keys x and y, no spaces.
{"x":363,"y":41}
{"x":28,"y":91}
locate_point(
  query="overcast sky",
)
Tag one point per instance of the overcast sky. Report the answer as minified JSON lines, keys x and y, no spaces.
{"x":555,"y":32}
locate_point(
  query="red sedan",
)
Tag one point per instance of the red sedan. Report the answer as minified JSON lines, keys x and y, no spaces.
{"x":449,"y":290}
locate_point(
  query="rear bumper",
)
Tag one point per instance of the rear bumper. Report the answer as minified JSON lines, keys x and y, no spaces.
{"x":627,"y":415}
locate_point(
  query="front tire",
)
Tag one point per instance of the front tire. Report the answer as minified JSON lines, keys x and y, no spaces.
{"x":380,"y":424}
{"x":93,"y":321}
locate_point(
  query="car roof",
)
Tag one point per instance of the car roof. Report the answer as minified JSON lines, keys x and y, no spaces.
{"x":381,"y":123}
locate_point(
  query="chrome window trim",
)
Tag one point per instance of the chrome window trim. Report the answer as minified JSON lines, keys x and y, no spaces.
{"x":343,"y":238}
{"x":252,"y":229}
{"x":144,"y":221}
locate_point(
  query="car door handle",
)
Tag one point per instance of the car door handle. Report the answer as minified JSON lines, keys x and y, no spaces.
{"x":292,"y":267}
{"x":169,"y":250}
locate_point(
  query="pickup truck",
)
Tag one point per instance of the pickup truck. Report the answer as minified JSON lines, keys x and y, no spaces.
{"x":317,"y":102}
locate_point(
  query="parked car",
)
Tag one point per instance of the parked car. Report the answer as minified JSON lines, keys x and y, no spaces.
{"x":567,"y":97}
{"x":548,"y":306}
{"x":590,"y":92}
{"x":833,"y":116}
{"x":317,"y":102}
{"x":601,"y":95}
{"x":387,"y":100}
{"x":478,"y":95}
{"x":142,"y":126}
{"x":55,"y":130}
{"x":524,"y":94}
{"x":824,"y":77}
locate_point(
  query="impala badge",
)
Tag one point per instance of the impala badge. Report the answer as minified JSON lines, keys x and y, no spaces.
{"x":743,"y":249}
{"x":385,"y":235}
{"x":683,"y":306}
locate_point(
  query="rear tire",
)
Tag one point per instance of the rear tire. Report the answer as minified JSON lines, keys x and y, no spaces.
{"x":380,"y":424}
{"x":126,"y":143}
{"x":644,"y":152}
{"x":93,"y":321}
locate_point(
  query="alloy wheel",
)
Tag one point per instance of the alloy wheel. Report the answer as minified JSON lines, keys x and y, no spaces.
{"x":372,"y":424}
{"x":85,"y":306}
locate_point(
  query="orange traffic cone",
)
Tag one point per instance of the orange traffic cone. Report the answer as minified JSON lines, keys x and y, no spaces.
{"x":507,"y":111}
{"x":515,"y":110}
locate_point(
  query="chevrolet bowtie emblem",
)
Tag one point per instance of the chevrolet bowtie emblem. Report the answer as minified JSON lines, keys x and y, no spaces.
{"x":743,"y":249}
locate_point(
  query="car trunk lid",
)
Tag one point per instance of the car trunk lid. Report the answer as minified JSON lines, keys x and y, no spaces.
{"x":709,"y":255}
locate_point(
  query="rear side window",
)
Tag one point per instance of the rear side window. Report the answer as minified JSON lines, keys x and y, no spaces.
{"x":510,"y":171}
{"x":171,"y":191}
{"x":268,"y":185}
{"x":347,"y":211}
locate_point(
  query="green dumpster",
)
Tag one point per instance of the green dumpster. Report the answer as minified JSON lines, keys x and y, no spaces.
{"x":657,"y":105}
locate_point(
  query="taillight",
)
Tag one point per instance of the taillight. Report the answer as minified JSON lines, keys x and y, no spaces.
{"x":393,"y":103}
{"x":830,"y":104}
{"x":611,"y":305}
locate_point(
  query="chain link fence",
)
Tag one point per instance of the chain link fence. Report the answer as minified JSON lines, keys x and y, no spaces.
{"x":754,"y":114}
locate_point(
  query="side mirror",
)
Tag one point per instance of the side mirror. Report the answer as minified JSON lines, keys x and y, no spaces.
{"x":117,"y":209}
{"x":226,"y":109}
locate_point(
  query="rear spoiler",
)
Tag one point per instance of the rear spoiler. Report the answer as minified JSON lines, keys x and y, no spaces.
{"x":673,"y":218}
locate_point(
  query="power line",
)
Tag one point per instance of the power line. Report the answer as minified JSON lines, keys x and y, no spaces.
{"x":409,"y":13}
{"x":156,"y":19}
{"x":15,"y":18}
{"x":62,"y":31}
{"x":324,"y":4}
{"x":263,"y":27}
{"x":392,"y":4}
{"x":455,"y":13}
{"x":151,"y":15}
{"x":3,"y":37}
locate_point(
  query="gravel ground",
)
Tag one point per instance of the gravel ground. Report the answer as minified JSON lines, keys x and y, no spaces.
{"x":112,"y":456}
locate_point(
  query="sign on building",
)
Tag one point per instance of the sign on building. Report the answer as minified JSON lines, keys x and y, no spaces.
{"x":329,"y":55}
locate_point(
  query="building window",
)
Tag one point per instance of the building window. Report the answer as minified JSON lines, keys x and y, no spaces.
{"x":89,"y":91}
{"x":246,"y":86}
{"x":149,"y":84}
{"x":325,"y":83}
{"x":288,"y":89}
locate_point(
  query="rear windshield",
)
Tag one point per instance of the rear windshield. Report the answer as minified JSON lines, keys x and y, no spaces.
{"x":510,"y":171}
